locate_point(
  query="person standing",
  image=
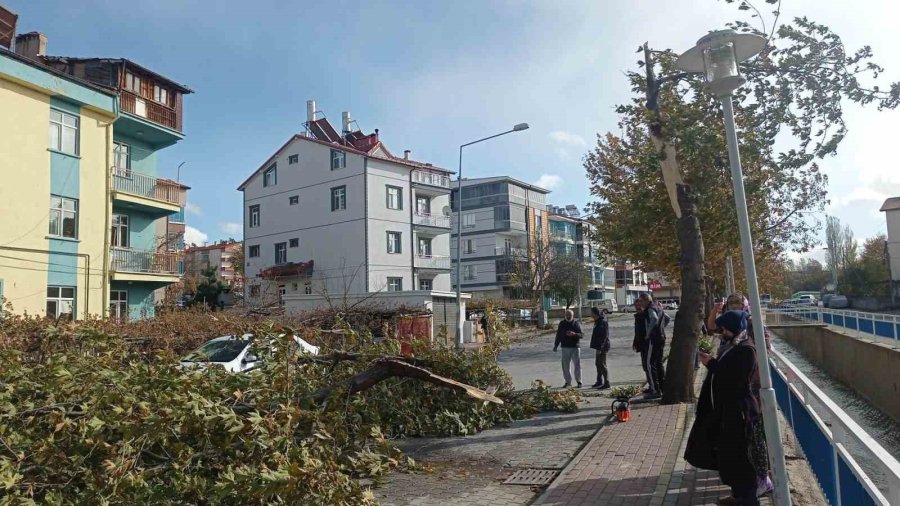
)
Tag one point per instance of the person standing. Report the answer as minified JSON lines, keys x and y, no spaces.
{"x":654,"y":321}
{"x":639,"y":344}
{"x":725,"y":436}
{"x":600,"y":343}
{"x":568,"y":336}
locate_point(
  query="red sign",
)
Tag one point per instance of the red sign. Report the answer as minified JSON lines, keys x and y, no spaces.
{"x":654,"y":284}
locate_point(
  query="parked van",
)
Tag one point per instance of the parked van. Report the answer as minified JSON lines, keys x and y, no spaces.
{"x":606,"y":306}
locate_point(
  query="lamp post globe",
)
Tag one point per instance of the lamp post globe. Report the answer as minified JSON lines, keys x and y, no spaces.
{"x":717,"y":56}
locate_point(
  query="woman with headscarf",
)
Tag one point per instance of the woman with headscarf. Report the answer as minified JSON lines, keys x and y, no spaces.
{"x":725,"y":435}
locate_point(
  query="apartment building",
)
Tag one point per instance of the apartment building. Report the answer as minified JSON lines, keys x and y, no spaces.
{"x":220,"y":255}
{"x":335,"y":216}
{"x":79,"y":234}
{"x":573,"y":235}
{"x":504,"y":223}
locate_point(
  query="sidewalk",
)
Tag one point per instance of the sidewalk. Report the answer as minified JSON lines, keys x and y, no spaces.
{"x":637,"y":463}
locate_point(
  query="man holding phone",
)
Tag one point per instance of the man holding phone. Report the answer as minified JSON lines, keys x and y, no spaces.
{"x":568,"y":336}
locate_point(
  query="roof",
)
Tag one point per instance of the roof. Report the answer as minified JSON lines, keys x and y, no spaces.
{"x":221,"y":245}
{"x":346,"y":149}
{"x":480,"y":180}
{"x":51,"y":70}
{"x":68,"y":59}
{"x":891,"y":204}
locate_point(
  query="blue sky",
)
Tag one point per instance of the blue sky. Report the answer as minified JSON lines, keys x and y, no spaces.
{"x":432,"y":75}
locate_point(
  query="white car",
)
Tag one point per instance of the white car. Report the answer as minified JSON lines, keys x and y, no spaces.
{"x":670,"y":304}
{"x":233,"y":353}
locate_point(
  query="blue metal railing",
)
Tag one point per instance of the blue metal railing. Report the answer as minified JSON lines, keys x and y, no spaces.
{"x":873,"y":324}
{"x":823,"y":429}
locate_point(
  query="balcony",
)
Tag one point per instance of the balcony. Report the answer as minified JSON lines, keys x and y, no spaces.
{"x":432,"y":262}
{"x":153,"y":195}
{"x":434,"y":183}
{"x":511,"y":252}
{"x":154,"y":111}
{"x":139,"y":265}
{"x":516,"y":227}
{"x":431,"y":220}
{"x":557,"y":236}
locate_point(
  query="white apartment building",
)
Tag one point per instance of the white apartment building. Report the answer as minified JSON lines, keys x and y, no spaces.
{"x":502,"y":219}
{"x":336,"y":217}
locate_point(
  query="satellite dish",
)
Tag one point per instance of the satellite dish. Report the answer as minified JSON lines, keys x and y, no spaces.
{"x":446,"y":210}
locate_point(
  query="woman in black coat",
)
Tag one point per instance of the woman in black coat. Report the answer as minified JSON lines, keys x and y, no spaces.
{"x":724,"y":432}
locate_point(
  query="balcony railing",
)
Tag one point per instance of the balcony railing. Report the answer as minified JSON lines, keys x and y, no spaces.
{"x":511,"y":252}
{"x":146,"y":108}
{"x":431,"y":220}
{"x":135,"y":183}
{"x":509,"y":225}
{"x":431,"y":178}
{"x":433,"y":262}
{"x":144,"y":262}
{"x":561,"y":236}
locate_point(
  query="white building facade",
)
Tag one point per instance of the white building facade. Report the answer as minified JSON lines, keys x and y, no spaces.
{"x":333,"y":217}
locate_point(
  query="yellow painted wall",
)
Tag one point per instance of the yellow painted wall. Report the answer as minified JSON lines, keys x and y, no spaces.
{"x":25,"y":198}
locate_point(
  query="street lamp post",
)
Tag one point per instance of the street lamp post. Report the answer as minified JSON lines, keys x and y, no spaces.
{"x":460,"y":317}
{"x":717,"y":56}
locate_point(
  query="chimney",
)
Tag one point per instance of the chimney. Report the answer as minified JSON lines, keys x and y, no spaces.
{"x":310,"y":111}
{"x":31,"y":45}
{"x":345,"y":121}
{"x":406,"y":153}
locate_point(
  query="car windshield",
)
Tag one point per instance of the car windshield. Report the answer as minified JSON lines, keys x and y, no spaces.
{"x":225,"y":350}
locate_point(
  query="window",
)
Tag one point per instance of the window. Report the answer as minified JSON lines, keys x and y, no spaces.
{"x":254,"y":290}
{"x":423,"y":205}
{"x":470,"y":272}
{"x":469,"y":220}
{"x":270,"y":176}
{"x":338,"y":159}
{"x":424,"y":247}
{"x":280,"y":253}
{"x":394,"y":197}
{"x":469,"y":246}
{"x":294,"y":243}
{"x":292,"y":159}
{"x":122,"y":159}
{"x":254,"y":251}
{"x":120,"y":238}
{"x":61,"y":302}
{"x":63,"y":217}
{"x":339,"y":198}
{"x":132,"y":83}
{"x":395,"y":284}
{"x":393,"y":242}
{"x":160,"y":94}
{"x":254,"y":216}
{"x":307,"y":288}
{"x":118,"y":305}
{"x":63,"y":132}
{"x":295,"y":287}
{"x":426,"y":284}
{"x":294,"y":200}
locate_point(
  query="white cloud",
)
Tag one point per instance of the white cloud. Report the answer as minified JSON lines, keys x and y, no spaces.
{"x":194,"y":236}
{"x":861,"y":194}
{"x":193,"y":209}
{"x":567,"y":138}
{"x":233,"y":229}
{"x":548,"y":181}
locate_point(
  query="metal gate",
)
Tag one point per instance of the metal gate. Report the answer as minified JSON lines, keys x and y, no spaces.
{"x":444,"y":309}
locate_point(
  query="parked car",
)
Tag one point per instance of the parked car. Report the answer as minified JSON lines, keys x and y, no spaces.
{"x":233,"y":353}
{"x":606,"y":306}
{"x":806,"y":300}
{"x":670,"y":304}
{"x":628,"y":308}
{"x":837,"y":302}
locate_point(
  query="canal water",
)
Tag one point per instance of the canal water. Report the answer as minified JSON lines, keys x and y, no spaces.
{"x":880,"y":426}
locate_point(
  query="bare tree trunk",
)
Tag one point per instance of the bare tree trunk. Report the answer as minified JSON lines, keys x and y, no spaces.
{"x":679,"y":385}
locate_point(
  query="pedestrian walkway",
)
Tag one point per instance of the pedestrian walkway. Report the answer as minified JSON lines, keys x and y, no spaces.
{"x":637,"y":463}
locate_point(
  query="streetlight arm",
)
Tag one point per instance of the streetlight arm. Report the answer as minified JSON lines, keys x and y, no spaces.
{"x":485,"y":139}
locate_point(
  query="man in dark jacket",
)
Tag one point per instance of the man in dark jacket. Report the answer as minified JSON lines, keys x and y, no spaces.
{"x":654,"y":319}
{"x":600,"y":343}
{"x":568,"y":335}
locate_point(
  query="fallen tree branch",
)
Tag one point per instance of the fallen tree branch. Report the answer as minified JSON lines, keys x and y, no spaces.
{"x":342,"y":356}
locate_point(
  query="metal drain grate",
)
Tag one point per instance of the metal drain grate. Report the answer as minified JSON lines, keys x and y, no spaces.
{"x":531,"y":477}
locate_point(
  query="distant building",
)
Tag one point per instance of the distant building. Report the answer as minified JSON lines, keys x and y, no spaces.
{"x":220,"y":256}
{"x":335,"y":217}
{"x":97,"y":250}
{"x":504,"y":221}
{"x":891,"y":210}
{"x":573,"y":235}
